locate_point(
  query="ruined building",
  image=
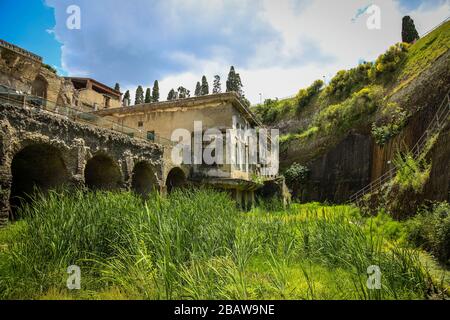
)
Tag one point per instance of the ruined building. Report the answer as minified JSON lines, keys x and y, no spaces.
{"x":57,"y":131}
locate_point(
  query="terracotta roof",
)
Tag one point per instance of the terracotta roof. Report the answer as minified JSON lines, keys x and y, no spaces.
{"x":95,"y":82}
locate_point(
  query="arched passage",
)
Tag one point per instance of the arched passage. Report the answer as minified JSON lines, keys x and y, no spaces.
{"x":144,"y":179}
{"x":175,"y":179}
{"x":102,"y":173}
{"x":36,"y":167}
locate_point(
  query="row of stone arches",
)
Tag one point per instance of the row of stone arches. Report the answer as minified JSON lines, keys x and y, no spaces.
{"x":42,"y":166}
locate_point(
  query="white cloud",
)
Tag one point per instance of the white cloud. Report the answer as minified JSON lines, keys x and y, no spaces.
{"x":277,"y":46}
{"x":327,"y":24}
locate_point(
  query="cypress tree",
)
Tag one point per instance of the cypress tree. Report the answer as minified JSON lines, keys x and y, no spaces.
{"x":126,"y":98}
{"x":148,"y":96}
{"x":205,"y":87}
{"x":217,"y":86}
{"x":198,"y":90}
{"x":234,"y":83}
{"x":231,"y":81}
{"x":139,"y":99}
{"x":239,"y":85}
{"x":409,"y":32}
{"x":155,"y":93}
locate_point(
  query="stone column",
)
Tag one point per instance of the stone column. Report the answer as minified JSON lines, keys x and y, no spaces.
{"x":5,"y":191}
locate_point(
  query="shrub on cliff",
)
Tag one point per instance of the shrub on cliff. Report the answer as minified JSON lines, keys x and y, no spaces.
{"x":411,"y":174}
{"x":391,"y":122}
{"x":345,"y":82}
{"x":430,"y":229}
{"x":304,"y":96}
{"x":296,"y":173}
{"x":389,"y":62}
{"x":272,"y":109}
{"x":342,"y":116}
{"x":403,"y":196}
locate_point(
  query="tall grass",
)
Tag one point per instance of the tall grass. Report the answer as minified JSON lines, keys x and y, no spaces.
{"x":196,"y":245}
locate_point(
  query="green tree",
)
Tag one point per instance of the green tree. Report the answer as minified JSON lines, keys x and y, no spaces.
{"x":304,"y":96}
{"x":148,"y":96}
{"x":155,"y":93}
{"x":231,"y":81}
{"x":234,"y":83}
{"x":239,"y":85}
{"x":205,"y":86}
{"x":217,"y":86}
{"x":198,"y":90}
{"x":117,"y":87}
{"x":183,"y":93}
{"x":172,"y":95}
{"x":126,"y":98}
{"x":139,"y":99}
{"x":409,"y":32}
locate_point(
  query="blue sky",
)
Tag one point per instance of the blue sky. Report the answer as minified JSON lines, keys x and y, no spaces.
{"x":277,"y":46}
{"x":25,"y":23}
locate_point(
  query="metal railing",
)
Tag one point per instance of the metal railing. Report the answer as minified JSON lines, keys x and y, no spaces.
{"x":438,"y":122}
{"x":17,"y":98}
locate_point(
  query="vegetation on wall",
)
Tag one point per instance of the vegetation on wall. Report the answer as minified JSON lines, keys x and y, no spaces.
{"x":50,"y":68}
{"x":387,"y":63}
{"x":345,"y":82}
{"x":342,"y":116}
{"x":390,"y":72}
{"x":412,"y":174}
{"x":304,"y":96}
{"x":391,"y":121}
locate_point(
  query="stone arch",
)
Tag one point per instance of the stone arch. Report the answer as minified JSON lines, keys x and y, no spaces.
{"x":102,"y":173}
{"x":176,"y":178}
{"x":39,"y":87}
{"x":36,"y":167}
{"x":144,"y":179}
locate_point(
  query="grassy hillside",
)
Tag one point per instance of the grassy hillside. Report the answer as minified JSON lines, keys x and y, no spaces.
{"x":319,"y":116}
{"x":196,"y":245}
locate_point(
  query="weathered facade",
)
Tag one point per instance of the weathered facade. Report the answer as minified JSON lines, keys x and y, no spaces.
{"x":91,"y":95}
{"x":25,"y":73}
{"x":221,"y":112}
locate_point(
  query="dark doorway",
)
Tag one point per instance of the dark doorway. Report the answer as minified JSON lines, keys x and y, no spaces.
{"x":39,"y":87}
{"x":175,"y":179}
{"x":102,"y":173}
{"x":144,"y":179}
{"x":38,"y":167}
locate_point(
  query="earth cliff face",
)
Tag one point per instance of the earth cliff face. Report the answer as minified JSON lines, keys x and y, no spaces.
{"x":343,"y":165}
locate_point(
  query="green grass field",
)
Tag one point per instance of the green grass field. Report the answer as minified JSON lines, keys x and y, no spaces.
{"x":197,"y":245}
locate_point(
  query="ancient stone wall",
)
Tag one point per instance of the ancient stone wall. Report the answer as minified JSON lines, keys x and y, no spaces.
{"x":19,"y":72}
{"x":39,"y":146}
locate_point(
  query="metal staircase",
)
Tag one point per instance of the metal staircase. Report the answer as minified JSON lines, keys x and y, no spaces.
{"x":439,"y":121}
